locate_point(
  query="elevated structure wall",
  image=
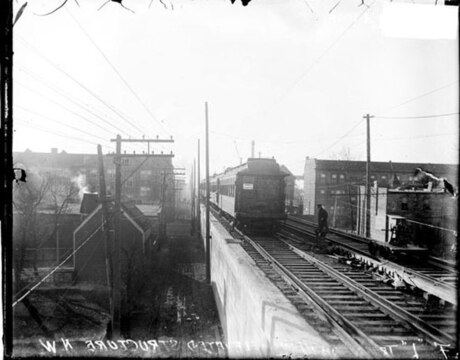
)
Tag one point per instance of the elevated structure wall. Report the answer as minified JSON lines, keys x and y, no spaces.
{"x":257,"y":319}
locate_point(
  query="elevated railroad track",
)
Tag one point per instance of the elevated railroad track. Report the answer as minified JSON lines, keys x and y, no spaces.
{"x":369,"y":317}
{"x":433,"y":276}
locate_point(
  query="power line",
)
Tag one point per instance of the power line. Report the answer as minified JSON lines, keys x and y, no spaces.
{"x":67,"y":96}
{"x":319,"y":58}
{"x":416,"y":137}
{"x":415,"y":117}
{"x":60,"y":123}
{"x":112,"y":108}
{"x":71,"y":111}
{"x":56,"y":268}
{"x":340,"y":138}
{"x":117,"y":72}
{"x":424,"y":94}
{"x":44,"y":129}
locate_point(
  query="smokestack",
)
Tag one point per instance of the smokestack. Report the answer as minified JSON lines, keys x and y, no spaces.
{"x":252,"y":148}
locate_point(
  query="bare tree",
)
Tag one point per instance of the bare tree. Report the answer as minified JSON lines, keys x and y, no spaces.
{"x":344,"y":154}
{"x":48,"y":195}
{"x":27,"y":197}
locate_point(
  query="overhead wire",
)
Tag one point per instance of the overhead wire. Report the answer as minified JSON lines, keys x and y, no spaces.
{"x":54,"y":132}
{"x":424,"y":94}
{"x":416,"y":116}
{"x":55,"y":269}
{"x":324,"y":53}
{"x":69,"y":97}
{"x":340,"y":138}
{"x":79,"y":83}
{"x":61,"y":123}
{"x":112,"y":66}
{"x":62,"y":107}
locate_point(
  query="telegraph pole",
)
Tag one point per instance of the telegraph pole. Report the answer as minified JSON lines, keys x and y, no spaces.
{"x":198,"y":208}
{"x":116,"y":260}
{"x":117,"y":218}
{"x":368,"y":176}
{"x":107,"y":227}
{"x":208,"y":234}
{"x":192,"y":197}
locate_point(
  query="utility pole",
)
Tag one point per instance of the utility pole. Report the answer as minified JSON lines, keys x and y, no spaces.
{"x":6,"y":156}
{"x":117,"y":243}
{"x":198,"y":208}
{"x":107,"y":225}
{"x":117,"y":218}
{"x":208,"y":234}
{"x":368,"y":176}
{"x":192,"y":199}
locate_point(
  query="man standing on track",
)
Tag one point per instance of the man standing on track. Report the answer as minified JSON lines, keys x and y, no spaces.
{"x":322,"y":221}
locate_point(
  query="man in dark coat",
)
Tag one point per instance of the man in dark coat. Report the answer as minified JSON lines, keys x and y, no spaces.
{"x":322,"y":221}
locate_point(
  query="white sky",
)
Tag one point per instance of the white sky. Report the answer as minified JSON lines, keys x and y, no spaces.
{"x":293,"y":80}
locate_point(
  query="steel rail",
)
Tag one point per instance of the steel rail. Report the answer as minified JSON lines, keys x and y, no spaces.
{"x":434,"y":334}
{"x":407,"y":269}
{"x":356,"y":340}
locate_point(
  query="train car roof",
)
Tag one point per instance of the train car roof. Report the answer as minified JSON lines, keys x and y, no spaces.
{"x":253,"y":166}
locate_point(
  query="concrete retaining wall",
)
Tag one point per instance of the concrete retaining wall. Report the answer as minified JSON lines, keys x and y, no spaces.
{"x":257,"y":319}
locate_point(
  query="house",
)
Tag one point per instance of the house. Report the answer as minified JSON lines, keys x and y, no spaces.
{"x":89,"y":241}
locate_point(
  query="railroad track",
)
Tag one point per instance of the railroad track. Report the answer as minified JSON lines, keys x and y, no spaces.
{"x":438,"y":272}
{"x":370,"y":318}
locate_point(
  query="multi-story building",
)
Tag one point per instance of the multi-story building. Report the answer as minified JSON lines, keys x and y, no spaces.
{"x":144,"y":180}
{"x":334,"y":184}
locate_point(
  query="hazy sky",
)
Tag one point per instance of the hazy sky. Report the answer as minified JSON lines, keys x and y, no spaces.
{"x":292,"y":75}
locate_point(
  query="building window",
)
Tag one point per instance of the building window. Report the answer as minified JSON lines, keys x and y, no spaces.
{"x":144,"y":190}
{"x":332,"y":192}
{"x":342,"y":177}
{"x":426,"y":205}
{"x":323,"y":178}
{"x":383,"y":177}
{"x":404,"y":205}
{"x":146,"y":173}
{"x":322,"y":192}
{"x":334,"y":177}
{"x":124,"y":161}
{"x":353,"y":198}
{"x":372,"y":177}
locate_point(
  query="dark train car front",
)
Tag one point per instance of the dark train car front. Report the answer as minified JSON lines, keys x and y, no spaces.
{"x":260,"y":195}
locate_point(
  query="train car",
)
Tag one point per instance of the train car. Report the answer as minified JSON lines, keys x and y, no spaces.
{"x":253,"y":194}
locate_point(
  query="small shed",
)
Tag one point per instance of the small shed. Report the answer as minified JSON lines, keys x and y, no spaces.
{"x":89,"y":242}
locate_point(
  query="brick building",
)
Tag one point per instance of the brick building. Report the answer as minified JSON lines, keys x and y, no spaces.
{"x":334,"y":184}
{"x":430,"y":217}
{"x":150,"y":177}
